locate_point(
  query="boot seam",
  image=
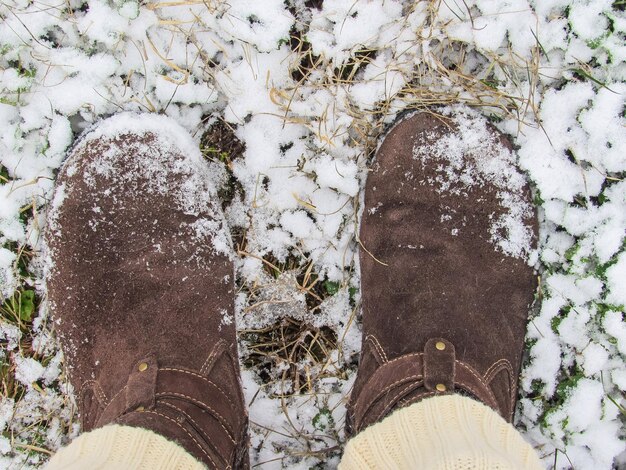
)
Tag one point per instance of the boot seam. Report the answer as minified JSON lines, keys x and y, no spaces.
{"x":114,"y":397}
{"x":367,"y":407}
{"x":199,"y":429}
{"x":389,"y":387}
{"x":184,"y":430}
{"x":194,"y":374}
{"x":394,"y":400}
{"x":219,"y":348}
{"x":230,"y":433}
{"x":477,"y":377}
{"x":379,"y":349}
{"x":95,"y":387}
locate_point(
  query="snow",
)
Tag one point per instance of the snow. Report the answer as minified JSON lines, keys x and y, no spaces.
{"x":523,"y":65}
{"x":8,"y":280}
{"x":342,"y":27}
{"x":579,"y":291}
{"x":263,"y":24}
{"x":614,"y":325}
{"x":587,"y":20}
{"x":297,"y":222}
{"x":6,"y":411}
{"x":616,"y":278}
{"x":28,"y":370}
{"x":594,"y":359}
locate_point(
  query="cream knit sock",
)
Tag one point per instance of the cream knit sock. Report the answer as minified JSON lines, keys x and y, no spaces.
{"x":442,"y":433}
{"x":117,"y":447}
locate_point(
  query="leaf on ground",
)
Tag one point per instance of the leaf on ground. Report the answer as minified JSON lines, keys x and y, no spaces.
{"x":27,"y":305}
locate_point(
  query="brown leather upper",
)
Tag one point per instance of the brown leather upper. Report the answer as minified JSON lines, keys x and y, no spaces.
{"x":142,"y":301}
{"x":430,"y":274}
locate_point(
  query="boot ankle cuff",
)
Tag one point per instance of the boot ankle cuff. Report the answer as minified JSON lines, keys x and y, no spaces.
{"x":114,"y":447}
{"x":445,"y":432}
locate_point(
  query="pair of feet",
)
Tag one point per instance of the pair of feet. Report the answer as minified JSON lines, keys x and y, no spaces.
{"x":140,"y":283}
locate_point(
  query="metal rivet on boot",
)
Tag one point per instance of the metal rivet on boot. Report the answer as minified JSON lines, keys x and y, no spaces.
{"x":440,"y":345}
{"x":441,"y":388}
{"x":143,"y":367}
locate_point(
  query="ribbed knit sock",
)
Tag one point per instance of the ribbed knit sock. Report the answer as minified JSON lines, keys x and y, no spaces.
{"x":450,"y":432}
{"x":116,"y":447}
{"x":443,"y":433}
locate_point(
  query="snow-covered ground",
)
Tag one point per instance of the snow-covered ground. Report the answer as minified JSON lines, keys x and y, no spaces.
{"x":308,"y":87}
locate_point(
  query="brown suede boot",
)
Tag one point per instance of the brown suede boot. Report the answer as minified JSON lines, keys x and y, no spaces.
{"x":140,"y":288}
{"x":446,"y":288}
